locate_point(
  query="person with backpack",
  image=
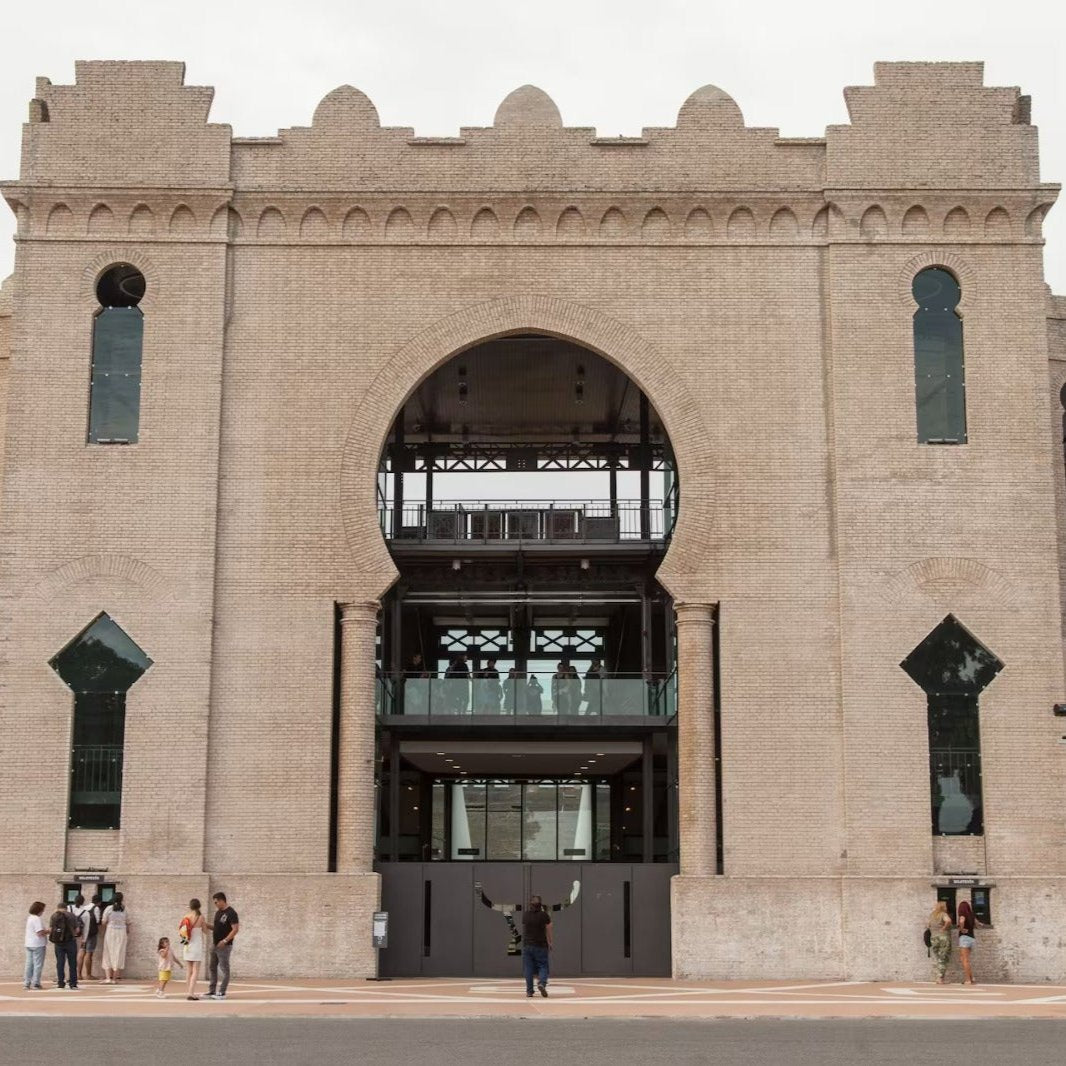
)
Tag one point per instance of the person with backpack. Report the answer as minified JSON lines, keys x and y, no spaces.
{"x":91,"y":918}
{"x":80,"y":910}
{"x":63,"y":935}
{"x":115,"y":925}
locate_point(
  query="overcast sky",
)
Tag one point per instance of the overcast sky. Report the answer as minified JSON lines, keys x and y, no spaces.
{"x":616,"y":65}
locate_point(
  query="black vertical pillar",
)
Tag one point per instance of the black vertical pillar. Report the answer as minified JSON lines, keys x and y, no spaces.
{"x":671,"y":793}
{"x":397,"y":474}
{"x":647,"y":799}
{"x":429,"y":488}
{"x":670,"y":637}
{"x":396,"y":648}
{"x":645,"y":468}
{"x":394,"y":798}
{"x":645,"y":634}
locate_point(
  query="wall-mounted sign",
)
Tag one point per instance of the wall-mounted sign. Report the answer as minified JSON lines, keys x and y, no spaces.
{"x":379,"y":930}
{"x":88,"y":879}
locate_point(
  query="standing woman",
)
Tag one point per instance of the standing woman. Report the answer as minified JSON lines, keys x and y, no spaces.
{"x":191,"y":929}
{"x":967,"y":942}
{"x":36,"y":942}
{"x":116,"y":928}
{"x":940,"y":938}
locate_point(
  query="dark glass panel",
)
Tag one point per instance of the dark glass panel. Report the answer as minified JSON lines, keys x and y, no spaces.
{"x":955,"y":766}
{"x":504,"y":838}
{"x":102,"y":658}
{"x":96,"y":760}
{"x":99,"y":719}
{"x":115,"y":386}
{"x":539,"y":820}
{"x":122,"y":285}
{"x":951,"y":660}
{"x":940,"y":388}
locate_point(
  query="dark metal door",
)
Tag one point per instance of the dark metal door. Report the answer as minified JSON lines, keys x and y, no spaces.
{"x":448,"y":915}
{"x":619,"y":925}
{"x":554,"y":883}
{"x":650,"y":919}
{"x":503,"y":883}
{"x":606,"y":942}
{"x":401,"y":896}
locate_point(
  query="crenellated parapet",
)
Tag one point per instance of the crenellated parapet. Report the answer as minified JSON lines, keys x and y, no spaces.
{"x":931,"y":154}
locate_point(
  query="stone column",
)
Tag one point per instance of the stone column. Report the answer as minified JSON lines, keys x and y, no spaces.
{"x":355,"y":782}
{"x":695,"y":739}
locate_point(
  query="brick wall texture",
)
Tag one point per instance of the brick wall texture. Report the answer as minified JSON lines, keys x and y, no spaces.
{"x":756,"y":287}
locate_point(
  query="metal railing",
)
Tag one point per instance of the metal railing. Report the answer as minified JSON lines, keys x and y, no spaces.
{"x":96,"y":772}
{"x":541,"y":521}
{"x":530,"y":695}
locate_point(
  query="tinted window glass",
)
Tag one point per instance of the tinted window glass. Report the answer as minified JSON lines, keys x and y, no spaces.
{"x":115,"y":387}
{"x":100,"y":664}
{"x":953,"y":667}
{"x":939,"y":381}
{"x":951,"y":660}
{"x":102,"y":658}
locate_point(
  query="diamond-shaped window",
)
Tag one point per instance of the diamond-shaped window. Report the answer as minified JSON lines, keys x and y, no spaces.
{"x":951,"y":660}
{"x":101,"y":658}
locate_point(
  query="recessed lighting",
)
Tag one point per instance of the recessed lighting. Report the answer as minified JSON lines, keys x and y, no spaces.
{"x":601,"y":753}
{"x":441,"y":753}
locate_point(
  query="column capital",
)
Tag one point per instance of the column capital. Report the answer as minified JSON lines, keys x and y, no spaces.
{"x":694,"y":613}
{"x":365,"y":611}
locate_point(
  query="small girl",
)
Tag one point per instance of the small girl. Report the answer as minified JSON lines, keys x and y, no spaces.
{"x":166,"y":965}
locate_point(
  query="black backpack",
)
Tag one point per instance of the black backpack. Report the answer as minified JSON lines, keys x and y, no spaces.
{"x":94,"y":921}
{"x":59,"y":927}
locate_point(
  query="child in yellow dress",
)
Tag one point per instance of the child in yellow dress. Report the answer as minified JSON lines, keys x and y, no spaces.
{"x":167,"y":959}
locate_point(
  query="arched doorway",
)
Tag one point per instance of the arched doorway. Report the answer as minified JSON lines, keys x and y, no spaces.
{"x":528,"y":493}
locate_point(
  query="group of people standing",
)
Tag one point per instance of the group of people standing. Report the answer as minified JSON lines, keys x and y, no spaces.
{"x":76,"y":931}
{"x":938,"y":939}
{"x":520,"y":692}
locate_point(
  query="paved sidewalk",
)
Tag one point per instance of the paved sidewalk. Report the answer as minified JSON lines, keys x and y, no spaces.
{"x":581,"y":998}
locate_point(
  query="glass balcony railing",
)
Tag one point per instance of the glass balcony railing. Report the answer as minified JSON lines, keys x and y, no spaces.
{"x":529,"y":521}
{"x":529,"y":695}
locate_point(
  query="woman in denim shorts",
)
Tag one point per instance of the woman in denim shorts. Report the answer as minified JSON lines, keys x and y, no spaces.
{"x":967,"y":942}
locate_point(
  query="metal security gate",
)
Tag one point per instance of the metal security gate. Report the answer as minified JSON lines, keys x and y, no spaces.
{"x":618,"y":926}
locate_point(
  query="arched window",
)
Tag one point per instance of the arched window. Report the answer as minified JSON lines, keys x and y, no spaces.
{"x":115,"y":381}
{"x":939,"y":380}
{"x":99,"y":666}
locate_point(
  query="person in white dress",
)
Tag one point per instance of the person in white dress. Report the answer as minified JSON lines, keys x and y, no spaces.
{"x":115,"y":924}
{"x":191,"y":931}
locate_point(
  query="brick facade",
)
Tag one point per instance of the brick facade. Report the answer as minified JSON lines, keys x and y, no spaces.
{"x":757,"y":288}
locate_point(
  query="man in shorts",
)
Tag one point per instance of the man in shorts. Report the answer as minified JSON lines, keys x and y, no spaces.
{"x":89,"y":916}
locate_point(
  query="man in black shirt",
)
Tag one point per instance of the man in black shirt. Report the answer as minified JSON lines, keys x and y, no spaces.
{"x":536,"y":944}
{"x":223,"y":932}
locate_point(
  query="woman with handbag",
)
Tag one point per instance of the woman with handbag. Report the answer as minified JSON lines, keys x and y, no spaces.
{"x":191,"y":933}
{"x":940,"y":938}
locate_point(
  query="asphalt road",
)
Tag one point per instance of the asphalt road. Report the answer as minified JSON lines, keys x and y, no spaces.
{"x":507,"y":1042}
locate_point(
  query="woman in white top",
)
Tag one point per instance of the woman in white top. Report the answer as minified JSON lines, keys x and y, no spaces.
{"x":192,"y":930}
{"x":115,"y":924}
{"x":36,"y":939}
